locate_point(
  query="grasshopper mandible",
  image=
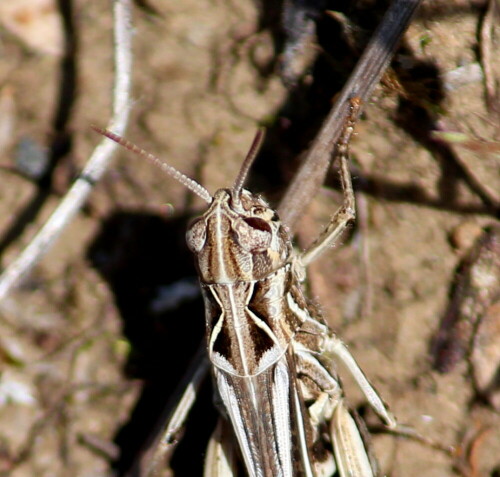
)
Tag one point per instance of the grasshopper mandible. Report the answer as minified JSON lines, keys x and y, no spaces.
{"x":272,"y":357}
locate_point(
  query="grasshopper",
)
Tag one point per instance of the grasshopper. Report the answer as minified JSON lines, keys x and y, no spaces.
{"x":272,"y":356}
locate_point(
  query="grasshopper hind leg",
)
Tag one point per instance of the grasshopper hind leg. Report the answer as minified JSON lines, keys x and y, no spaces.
{"x":316,"y":350}
{"x":350,"y":453}
{"x":338,"y":447}
{"x":221,"y":457}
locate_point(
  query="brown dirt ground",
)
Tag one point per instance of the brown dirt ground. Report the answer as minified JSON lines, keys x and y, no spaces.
{"x":95,"y":363}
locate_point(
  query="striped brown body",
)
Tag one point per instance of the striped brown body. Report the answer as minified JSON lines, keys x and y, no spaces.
{"x":255,"y":309}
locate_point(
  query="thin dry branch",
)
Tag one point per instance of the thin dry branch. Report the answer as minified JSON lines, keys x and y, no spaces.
{"x":486,"y":49}
{"x":97,"y":163}
{"x":361,"y":83}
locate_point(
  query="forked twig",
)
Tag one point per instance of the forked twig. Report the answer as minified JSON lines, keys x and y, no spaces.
{"x":97,"y":163}
{"x":361,"y":83}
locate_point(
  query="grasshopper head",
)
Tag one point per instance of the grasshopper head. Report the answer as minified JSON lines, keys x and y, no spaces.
{"x":239,"y":238}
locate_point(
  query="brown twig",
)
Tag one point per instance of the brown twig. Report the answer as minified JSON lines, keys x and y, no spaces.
{"x":361,"y":83}
{"x":485,"y":49}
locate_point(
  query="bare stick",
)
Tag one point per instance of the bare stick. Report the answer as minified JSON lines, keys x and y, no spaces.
{"x":97,"y":163}
{"x":486,"y":47}
{"x":165,"y":434}
{"x":361,"y":83}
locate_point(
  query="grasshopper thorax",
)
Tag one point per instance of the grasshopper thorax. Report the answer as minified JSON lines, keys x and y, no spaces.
{"x":239,"y":238}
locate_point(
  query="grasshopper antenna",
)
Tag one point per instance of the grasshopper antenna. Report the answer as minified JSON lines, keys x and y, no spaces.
{"x":247,"y":163}
{"x":191,"y":184}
